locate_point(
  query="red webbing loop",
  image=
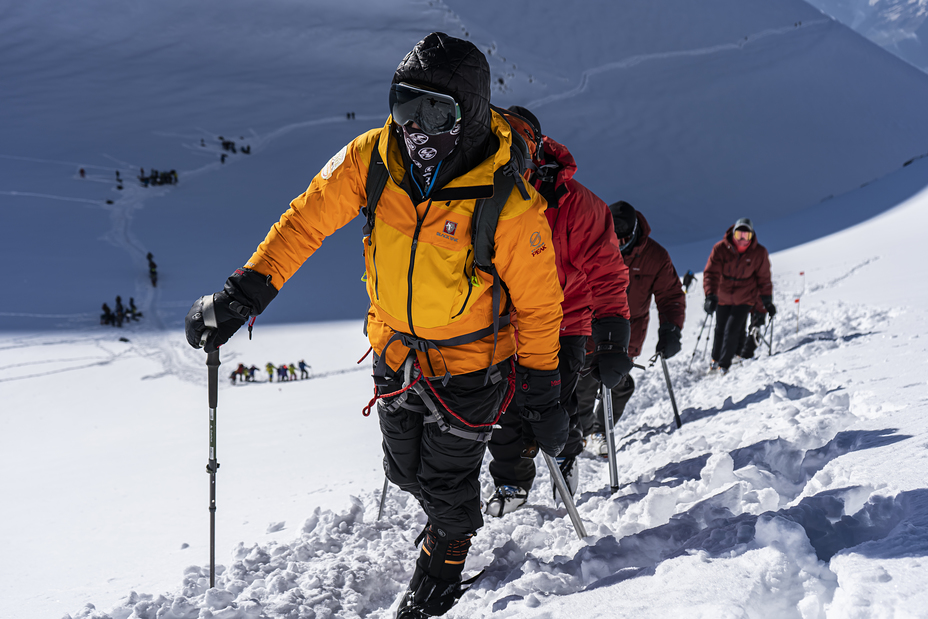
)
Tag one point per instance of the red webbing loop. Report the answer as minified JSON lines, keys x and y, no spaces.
{"x":510,"y":391}
{"x":366,"y":411}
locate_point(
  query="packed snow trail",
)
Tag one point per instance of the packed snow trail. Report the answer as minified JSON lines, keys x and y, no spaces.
{"x":742,"y":485}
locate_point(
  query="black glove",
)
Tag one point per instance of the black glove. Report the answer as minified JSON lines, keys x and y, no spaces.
{"x":757,"y":320}
{"x":245,"y":294}
{"x":769,"y":306}
{"x":610,"y":353}
{"x":712,"y":302}
{"x":668,"y":340}
{"x":538,"y":395}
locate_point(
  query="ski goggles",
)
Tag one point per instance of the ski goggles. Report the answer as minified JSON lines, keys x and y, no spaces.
{"x":433,"y":112}
{"x":742,"y":235}
{"x":625,"y":242}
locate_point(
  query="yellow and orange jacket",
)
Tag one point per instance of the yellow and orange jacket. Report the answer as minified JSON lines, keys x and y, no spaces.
{"x":419,"y":258}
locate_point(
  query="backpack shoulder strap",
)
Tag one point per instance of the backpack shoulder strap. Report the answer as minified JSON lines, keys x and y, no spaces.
{"x":486,"y":216}
{"x":377,"y":176}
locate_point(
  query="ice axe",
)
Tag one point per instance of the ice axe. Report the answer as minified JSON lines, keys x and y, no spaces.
{"x":212,"y":369}
{"x":609,"y":419}
{"x":610,"y":438}
{"x":530,"y":451}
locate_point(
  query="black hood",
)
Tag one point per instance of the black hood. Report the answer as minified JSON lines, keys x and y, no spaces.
{"x":457,"y":68}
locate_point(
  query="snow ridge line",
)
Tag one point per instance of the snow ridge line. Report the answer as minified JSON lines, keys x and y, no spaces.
{"x":640,"y":58}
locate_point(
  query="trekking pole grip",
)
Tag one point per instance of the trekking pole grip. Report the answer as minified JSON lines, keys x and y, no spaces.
{"x":212,"y":365}
{"x":209,"y":321}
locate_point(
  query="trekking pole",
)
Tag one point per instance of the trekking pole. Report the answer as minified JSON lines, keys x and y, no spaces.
{"x":610,"y":438}
{"x":383,"y":497}
{"x":673,"y":400}
{"x":212,"y":371}
{"x":709,"y":335}
{"x":770,"y":342}
{"x":212,"y":364}
{"x":565,"y":495}
{"x":698,"y":337}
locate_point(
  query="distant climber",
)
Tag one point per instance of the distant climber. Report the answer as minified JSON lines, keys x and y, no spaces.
{"x":107,"y":317}
{"x":152,"y":271}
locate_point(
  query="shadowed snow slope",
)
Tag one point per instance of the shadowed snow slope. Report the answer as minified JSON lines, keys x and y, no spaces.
{"x":796,"y":485}
{"x":696,"y":114}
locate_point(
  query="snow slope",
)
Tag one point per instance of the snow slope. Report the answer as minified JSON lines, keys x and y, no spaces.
{"x":696,"y":114}
{"x":795,"y":487}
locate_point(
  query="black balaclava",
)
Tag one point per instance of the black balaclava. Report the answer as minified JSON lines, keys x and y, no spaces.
{"x":455,"y":67}
{"x":427,"y":153}
{"x":626,"y":224}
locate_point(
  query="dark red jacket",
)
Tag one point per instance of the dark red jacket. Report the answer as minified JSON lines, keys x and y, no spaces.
{"x":589,"y":263}
{"x":737,"y":279}
{"x":651,"y":272}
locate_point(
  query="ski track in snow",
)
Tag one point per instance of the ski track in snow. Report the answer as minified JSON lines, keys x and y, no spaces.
{"x":637,"y":59}
{"x":695,"y":494}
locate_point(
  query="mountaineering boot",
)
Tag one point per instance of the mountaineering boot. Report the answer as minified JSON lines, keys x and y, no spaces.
{"x":570,"y":474}
{"x":596,"y":445}
{"x":506,"y":499}
{"x":713,"y":367}
{"x":436,"y":583}
{"x":430,"y":597}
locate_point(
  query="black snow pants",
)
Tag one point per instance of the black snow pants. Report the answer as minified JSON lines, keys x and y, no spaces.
{"x":730,"y":324}
{"x":442,"y":470}
{"x":508,"y":467}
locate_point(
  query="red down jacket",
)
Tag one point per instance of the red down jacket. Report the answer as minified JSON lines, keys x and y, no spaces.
{"x":589,"y":263}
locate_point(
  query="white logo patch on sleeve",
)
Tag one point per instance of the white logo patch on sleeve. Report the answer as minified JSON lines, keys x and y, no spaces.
{"x":334,"y":162}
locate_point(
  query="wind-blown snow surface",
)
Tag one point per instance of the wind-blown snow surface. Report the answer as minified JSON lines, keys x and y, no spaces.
{"x":796,"y":486}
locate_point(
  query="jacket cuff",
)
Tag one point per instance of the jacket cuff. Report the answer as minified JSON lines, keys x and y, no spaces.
{"x":250,"y":289}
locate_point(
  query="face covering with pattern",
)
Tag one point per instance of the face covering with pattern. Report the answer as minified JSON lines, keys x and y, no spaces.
{"x":428,"y":151}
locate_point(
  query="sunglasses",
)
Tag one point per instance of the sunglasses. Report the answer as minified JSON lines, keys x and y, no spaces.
{"x":433,"y":112}
{"x":742,"y":235}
